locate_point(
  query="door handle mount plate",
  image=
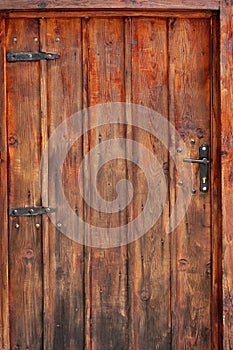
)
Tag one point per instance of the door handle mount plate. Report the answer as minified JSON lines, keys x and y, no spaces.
{"x":204,"y":171}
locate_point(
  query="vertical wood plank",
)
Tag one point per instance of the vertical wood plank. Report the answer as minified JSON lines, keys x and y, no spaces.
{"x":149,"y":257}
{"x":24,"y":153}
{"x":189,"y":89}
{"x":4,"y":305}
{"x":86,"y":209}
{"x":66,"y":289}
{"x":227,"y":167}
{"x":216,"y":186}
{"x":47,"y":309}
{"x":108,"y":272}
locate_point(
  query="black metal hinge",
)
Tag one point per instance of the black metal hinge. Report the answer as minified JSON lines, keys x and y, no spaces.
{"x":31,"y":211}
{"x":30,"y":56}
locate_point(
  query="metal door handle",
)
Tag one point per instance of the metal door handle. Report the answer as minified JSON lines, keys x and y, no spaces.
{"x":203,"y":161}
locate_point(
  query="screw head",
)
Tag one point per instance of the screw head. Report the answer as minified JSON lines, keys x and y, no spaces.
{"x":179,"y":150}
{"x":17,"y":226}
{"x":37,"y":226}
{"x":193,"y":142}
{"x":180,"y":183}
{"x":204,"y":148}
{"x":204,"y":189}
{"x":14,"y":39}
{"x":36,"y":40}
{"x":58,"y":40}
{"x":31,"y":211}
{"x":47,"y":210}
{"x":59,"y":224}
{"x":193,"y":191}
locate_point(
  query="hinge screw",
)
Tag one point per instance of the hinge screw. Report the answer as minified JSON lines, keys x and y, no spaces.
{"x":204,"y":188}
{"x":15,"y":211}
{"x":47,"y":210}
{"x":31,"y":211}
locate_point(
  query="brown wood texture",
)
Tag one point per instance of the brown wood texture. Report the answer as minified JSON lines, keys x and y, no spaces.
{"x":227,"y":167}
{"x":4,"y":305}
{"x":149,"y":257}
{"x":122,"y":4}
{"x":107,"y":268}
{"x":25,"y":251}
{"x":155,"y":293}
{"x":216,"y":189}
{"x":66,"y":304}
{"x":190,"y":95}
{"x":108,"y":13}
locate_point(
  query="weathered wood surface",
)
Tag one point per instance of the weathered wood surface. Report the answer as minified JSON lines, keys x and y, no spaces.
{"x":190,"y":112}
{"x":107,"y":268}
{"x":149,"y":256}
{"x":122,"y":4}
{"x":25,"y":251}
{"x":216,"y":189}
{"x":227,"y":167}
{"x":108,"y":13}
{"x":156,"y":292}
{"x":66,"y":304}
{"x":4,"y":305}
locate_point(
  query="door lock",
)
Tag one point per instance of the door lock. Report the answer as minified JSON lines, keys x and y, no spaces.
{"x":203,"y":161}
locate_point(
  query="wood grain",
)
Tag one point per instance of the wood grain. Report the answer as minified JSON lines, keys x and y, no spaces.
{"x":161,"y":291}
{"x":227,"y":167}
{"x":4,"y":304}
{"x":138,"y":4}
{"x":65,"y":309}
{"x":216,"y":188}
{"x":189,"y":41}
{"x":149,"y":256}
{"x":108,"y":13}
{"x":107,"y":268}
{"x":25,"y":251}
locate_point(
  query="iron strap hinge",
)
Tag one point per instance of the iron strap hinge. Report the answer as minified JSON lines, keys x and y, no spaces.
{"x":31,"y":211}
{"x":30,"y":56}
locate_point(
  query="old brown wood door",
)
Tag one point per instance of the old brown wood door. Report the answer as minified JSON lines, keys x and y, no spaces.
{"x":159,"y":291}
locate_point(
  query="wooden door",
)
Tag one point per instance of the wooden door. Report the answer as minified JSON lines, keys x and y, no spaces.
{"x":161,"y":290}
